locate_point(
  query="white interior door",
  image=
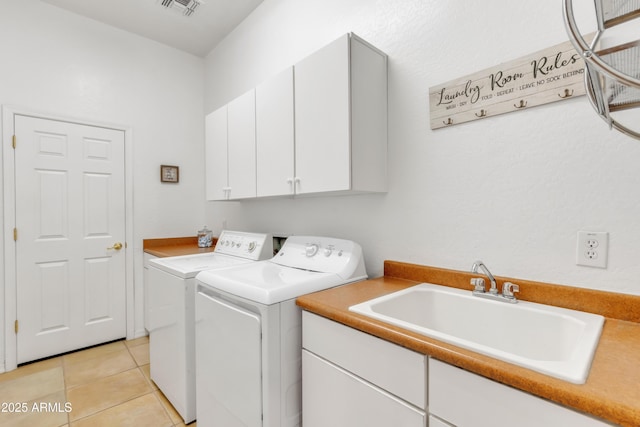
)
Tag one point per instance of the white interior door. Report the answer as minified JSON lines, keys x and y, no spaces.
{"x":70,"y":222}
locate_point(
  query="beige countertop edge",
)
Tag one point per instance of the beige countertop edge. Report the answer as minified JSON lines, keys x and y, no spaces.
{"x":611,"y":391}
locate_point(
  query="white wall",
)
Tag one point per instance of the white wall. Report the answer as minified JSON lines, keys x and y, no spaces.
{"x":511,"y":190}
{"x":60,"y":63}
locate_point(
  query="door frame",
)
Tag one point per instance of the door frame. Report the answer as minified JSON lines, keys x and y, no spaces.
{"x":8,"y":298}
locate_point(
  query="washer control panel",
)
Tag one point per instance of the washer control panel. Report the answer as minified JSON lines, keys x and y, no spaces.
{"x":311,"y":250}
{"x":321,"y":254}
{"x":314,"y":249}
{"x":254,"y":246}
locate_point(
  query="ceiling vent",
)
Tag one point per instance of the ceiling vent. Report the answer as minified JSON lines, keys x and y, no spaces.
{"x":187,"y":7}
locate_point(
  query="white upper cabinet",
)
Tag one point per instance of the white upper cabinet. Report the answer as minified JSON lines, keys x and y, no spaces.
{"x":341,"y":118}
{"x":231,"y":150}
{"x":216,"y":154}
{"x":241,"y":139}
{"x":274,"y":135}
{"x":317,"y":127}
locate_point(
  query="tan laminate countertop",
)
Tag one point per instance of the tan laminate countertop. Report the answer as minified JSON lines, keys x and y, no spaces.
{"x":612,"y":390}
{"x":175,"y":246}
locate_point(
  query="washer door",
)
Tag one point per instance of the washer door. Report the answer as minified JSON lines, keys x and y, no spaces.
{"x":229,"y":364}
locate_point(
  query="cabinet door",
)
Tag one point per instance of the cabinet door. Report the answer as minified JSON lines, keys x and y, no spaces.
{"x":274,"y":135}
{"x":241,"y":140}
{"x":322,"y":117}
{"x":333,"y":397}
{"x":490,"y":404}
{"x":400,"y":371}
{"x":216,"y":154}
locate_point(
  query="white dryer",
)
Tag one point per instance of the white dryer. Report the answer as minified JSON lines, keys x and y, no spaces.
{"x":171,"y":312}
{"x":249,"y":335}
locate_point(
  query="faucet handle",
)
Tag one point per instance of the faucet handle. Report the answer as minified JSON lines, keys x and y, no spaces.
{"x":509,"y":288}
{"x":478,"y":284}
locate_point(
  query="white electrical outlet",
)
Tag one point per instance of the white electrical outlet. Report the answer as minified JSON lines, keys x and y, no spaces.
{"x":592,"y":248}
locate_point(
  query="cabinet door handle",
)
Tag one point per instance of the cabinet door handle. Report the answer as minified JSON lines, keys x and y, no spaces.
{"x":292,"y":182}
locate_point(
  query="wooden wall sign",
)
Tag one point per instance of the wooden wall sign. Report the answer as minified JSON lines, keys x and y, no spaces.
{"x":550,"y":75}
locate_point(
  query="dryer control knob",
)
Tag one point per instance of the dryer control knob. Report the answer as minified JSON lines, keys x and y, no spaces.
{"x":311,"y":250}
{"x":327,"y":251}
{"x":252,"y":246}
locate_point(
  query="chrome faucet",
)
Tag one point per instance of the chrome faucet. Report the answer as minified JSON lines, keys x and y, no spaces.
{"x":508,"y":288}
{"x":494,"y":286}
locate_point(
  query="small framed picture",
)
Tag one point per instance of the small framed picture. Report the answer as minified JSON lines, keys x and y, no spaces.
{"x":169,"y":173}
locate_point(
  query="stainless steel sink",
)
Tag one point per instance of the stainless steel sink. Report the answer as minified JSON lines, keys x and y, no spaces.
{"x":551,"y":340}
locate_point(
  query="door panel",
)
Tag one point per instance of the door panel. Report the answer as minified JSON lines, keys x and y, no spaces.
{"x":70,"y":211}
{"x":52,"y":199}
{"x":51,"y":286}
{"x":97,"y":300}
{"x":96,"y":207}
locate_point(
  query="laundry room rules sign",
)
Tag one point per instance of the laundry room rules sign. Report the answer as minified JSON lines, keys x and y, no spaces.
{"x":550,"y":75}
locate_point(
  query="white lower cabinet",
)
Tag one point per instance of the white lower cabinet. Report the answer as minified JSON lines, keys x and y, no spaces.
{"x":352,"y":379}
{"x":332,"y":396}
{"x":464,"y":399}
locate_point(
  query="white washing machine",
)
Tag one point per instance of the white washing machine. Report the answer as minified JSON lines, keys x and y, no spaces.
{"x":171,"y":312}
{"x":249,"y":334}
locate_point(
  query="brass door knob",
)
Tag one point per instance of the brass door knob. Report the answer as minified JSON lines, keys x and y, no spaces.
{"x":117,"y":246}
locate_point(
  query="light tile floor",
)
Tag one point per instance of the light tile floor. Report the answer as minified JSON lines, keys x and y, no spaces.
{"x":107,"y":385}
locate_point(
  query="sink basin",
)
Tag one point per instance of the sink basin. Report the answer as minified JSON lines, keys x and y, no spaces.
{"x":551,"y":340}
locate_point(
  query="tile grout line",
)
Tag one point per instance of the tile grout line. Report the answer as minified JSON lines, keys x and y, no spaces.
{"x":31,"y":400}
{"x":66,"y":364}
{"x":118,"y":404}
{"x":108,"y":376}
{"x":166,"y":411}
{"x":155,"y":395}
